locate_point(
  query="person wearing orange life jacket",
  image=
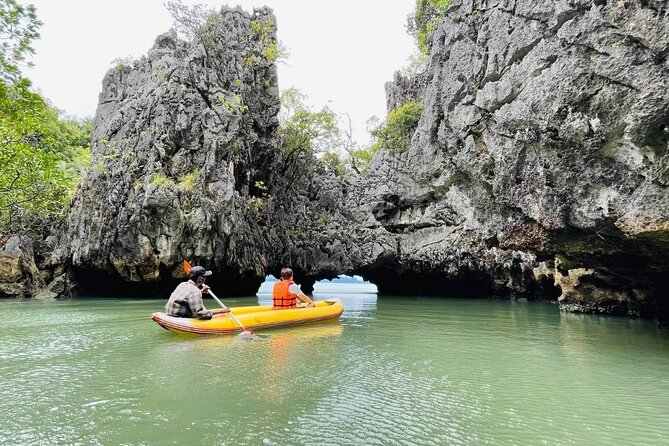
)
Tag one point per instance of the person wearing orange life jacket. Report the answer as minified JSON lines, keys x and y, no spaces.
{"x":286,"y":293}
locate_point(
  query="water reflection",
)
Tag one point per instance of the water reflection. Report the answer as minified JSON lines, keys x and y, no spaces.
{"x":583,"y":336}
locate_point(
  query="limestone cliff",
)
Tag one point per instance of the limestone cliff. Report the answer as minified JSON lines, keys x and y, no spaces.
{"x":544,"y":136}
{"x":539,"y":167}
{"x":180,"y":138}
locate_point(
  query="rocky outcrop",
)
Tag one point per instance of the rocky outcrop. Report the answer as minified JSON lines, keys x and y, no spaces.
{"x":180,"y":138}
{"x":539,"y":167}
{"x":405,"y":89}
{"x":19,"y":276}
{"x":544,"y":133}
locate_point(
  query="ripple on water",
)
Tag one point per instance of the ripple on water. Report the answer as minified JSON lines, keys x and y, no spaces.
{"x":377,"y":400}
{"x":474,"y":373}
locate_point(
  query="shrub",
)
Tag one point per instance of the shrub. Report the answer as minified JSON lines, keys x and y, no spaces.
{"x":334,"y":163}
{"x":303,"y":134}
{"x":233,"y":104}
{"x":187,"y":182}
{"x":423,"y":22}
{"x":395,"y":134}
{"x":122,"y":62}
{"x":256,"y":207}
{"x":161,"y":180}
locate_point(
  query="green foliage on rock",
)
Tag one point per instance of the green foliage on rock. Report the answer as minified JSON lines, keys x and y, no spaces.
{"x":264,"y":32}
{"x":188,"y":182}
{"x":42,"y":156}
{"x":190,"y":20}
{"x":394,"y":134}
{"x":232,"y":104}
{"x":257,"y":207}
{"x":423,"y":22}
{"x":121,"y":62}
{"x":303,"y":134}
{"x":335,"y":163}
{"x":200,"y":22}
{"x":161,"y":180}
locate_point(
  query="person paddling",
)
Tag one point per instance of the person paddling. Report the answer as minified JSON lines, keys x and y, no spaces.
{"x":286,"y":292}
{"x":186,"y":300}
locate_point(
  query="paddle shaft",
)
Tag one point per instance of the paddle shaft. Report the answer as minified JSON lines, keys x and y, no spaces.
{"x":234,"y":318}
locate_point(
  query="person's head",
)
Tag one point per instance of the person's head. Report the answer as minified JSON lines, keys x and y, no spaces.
{"x":286,"y":273}
{"x":199,"y":275}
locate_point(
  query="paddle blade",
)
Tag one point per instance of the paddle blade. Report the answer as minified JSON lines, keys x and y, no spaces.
{"x":248,"y":335}
{"x":187,"y":267}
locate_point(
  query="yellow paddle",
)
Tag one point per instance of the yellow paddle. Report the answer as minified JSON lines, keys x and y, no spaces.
{"x":248,"y":331}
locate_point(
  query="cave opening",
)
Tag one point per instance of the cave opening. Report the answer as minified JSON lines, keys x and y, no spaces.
{"x":101,"y":283}
{"x":386,"y":280}
{"x":225,"y":282}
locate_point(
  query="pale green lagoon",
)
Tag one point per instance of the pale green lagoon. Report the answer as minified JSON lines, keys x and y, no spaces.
{"x":392,"y":371}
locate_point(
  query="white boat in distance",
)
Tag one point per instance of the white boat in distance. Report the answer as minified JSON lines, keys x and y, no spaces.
{"x":340,"y":285}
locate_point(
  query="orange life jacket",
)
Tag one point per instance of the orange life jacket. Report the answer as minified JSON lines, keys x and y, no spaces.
{"x":281,"y":297}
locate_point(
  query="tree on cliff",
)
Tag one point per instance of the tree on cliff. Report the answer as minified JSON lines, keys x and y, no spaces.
{"x":304,"y":135}
{"x":41,"y":155}
{"x":424,"y":20}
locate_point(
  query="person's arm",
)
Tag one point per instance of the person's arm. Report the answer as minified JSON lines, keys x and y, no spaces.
{"x":304,"y":298}
{"x":295,"y":289}
{"x":205,"y":290}
{"x":197,"y":306}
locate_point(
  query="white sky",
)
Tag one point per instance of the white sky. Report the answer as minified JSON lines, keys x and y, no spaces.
{"x":341,"y":52}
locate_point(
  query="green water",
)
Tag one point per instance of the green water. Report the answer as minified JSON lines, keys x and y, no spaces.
{"x":391,"y":372}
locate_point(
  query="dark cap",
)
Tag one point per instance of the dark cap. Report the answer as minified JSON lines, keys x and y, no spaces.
{"x":198,"y":271}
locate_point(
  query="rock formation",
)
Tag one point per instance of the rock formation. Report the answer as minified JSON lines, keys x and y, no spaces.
{"x":180,"y":138}
{"x":539,"y":167}
{"x":544,"y":136}
{"x":19,"y":276}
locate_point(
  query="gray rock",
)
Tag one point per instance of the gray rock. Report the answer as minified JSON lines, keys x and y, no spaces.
{"x":539,"y":167}
{"x":19,"y":276}
{"x":179,"y":139}
{"x":404,"y":89}
{"x":545,"y":133}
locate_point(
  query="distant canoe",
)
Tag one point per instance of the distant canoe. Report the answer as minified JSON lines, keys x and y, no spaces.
{"x":253,"y":317}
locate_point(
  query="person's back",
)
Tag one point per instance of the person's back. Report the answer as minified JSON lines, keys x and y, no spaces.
{"x":186,"y":299}
{"x":285,"y":292}
{"x":281,"y":295}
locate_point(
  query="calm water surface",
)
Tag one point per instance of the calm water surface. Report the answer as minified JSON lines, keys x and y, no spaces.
{"x":393,"y":371}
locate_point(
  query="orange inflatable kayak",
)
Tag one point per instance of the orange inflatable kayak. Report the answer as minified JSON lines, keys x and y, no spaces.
{"x":253,"y":317}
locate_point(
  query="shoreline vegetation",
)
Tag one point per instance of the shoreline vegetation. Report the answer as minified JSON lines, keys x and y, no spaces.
{"x":43,"y":153}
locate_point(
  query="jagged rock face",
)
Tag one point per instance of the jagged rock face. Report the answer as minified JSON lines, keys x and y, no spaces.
{"x":545,"y":133}
{"x":539,"y":167}
{"x":405,"y":89}
{"x":19,"y":276}
{"x":180,"y":138}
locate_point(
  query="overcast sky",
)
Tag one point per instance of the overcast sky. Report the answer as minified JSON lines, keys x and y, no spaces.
{"x":340,"y":53}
